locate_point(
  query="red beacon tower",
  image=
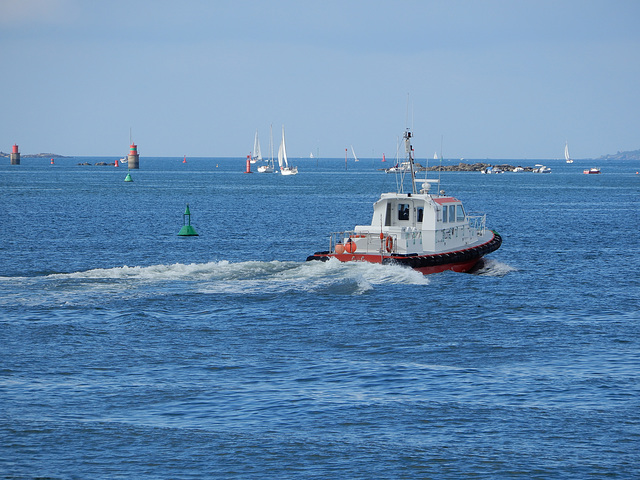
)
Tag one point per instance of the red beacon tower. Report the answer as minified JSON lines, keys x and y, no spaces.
{"x":15,"y":155}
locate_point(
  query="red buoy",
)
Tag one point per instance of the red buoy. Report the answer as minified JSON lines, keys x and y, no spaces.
{"x":339,"y":248}
{"x":248,"y":164}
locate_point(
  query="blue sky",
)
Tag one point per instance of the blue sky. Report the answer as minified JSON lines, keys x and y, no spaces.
{"x":490,"y":79}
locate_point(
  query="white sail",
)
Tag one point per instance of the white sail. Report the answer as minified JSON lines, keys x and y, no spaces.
{"x":282,"y":159}
{"x":283,"y":152}
{"x":269,"y":167}
{"x":354,"y":154}
{"x":435,"y":156}
{"x":257,"y":154}
{"x":566,"y":153}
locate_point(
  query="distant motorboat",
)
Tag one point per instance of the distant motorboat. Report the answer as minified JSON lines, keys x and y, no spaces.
{"x":541,"y":169}
{"x":591,"y":171}
{"x":399,"y":167}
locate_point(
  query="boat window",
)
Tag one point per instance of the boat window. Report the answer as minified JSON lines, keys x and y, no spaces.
{"x":420,"y":214}
{"x":387,"y":218}
{"x":459,"y":213}
{"x":444,"y":214}
{"x":452,"y":213}
{"x":403,"y":211}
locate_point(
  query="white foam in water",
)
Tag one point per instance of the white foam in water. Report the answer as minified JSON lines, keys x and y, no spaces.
{"x":351,"y":277}
{"x":253,"y":277}
{"x":253,"y":270}
{"x":494,"y":268}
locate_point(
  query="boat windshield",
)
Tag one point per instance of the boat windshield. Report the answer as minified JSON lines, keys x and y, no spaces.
{"x":403,"y":211}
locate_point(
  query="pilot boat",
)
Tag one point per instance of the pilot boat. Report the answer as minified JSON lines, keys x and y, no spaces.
{"x":429,"y":232}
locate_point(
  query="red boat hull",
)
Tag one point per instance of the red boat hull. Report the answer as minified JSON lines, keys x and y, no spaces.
{"x":458,"y":260}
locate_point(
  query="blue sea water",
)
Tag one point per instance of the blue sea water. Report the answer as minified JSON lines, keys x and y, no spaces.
{"x":129,"y":352}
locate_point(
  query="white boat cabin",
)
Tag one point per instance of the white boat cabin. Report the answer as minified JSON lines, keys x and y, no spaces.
{"x":416,"y":223}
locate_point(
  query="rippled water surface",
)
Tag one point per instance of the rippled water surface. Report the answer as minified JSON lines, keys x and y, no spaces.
{"x":129,"y":352}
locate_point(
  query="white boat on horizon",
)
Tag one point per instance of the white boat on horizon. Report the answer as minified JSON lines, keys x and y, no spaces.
{"x":566,"y":153}
{"x":541,"y":169}
{"x":257,"y":154}
{"x":354,"y":154}
{"x":269,"y":167}
{"x":283,"y":162}
{"x":399,"y":168}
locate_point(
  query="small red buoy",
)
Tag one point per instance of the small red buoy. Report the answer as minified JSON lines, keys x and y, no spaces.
{"x":248,"y":164}
{"x":350,"y":247}
{"x":339,"y":248}
{"x":117,"y":164}
{"x":52,"y":161}
{"x":185,"y":159}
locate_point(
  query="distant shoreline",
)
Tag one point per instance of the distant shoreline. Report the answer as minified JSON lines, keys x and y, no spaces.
{"x":35,"y":155}
{"x":632,"y":155}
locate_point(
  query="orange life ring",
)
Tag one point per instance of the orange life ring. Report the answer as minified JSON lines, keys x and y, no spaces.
{"x":388,"y":244}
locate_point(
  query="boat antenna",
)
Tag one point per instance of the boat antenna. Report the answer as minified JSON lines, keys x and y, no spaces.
{"x":440,"y":169}
{"x":398,"y":184}
{"x":406,"y":118}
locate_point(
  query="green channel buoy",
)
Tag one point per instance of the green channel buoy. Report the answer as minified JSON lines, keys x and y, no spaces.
{"x":128,"y":178}
{"x":187,"y":230}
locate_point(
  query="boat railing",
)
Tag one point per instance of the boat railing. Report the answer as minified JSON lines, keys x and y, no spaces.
{"x":372,"y":241}
{"x":477,"y":222}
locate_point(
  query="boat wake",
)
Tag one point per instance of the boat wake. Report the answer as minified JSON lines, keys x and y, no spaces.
{"x":251,"y":270}
{"x":490,"y":267}
{"x":252,"y":278}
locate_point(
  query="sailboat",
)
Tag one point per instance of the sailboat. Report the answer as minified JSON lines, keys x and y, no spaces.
{"x":354,"y":154}
{"x":566,"y":153}
{"x":268,"y":168}
{"x":285,"y":169}
{"x":257,"y":154}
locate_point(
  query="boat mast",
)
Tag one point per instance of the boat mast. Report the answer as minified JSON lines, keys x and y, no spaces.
{"x":271,"y":144}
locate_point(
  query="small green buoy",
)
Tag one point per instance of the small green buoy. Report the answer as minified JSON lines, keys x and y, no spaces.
{"x":187,"y":230}
{"x":128,"y":177}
